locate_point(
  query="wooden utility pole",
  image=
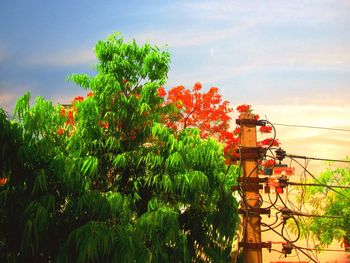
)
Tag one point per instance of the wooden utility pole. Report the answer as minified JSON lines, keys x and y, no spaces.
{"x":249,"y":184}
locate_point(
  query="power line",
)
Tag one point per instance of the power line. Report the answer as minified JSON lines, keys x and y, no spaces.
{"x":311,"y":215}
{"x":311,"y":127}
{"x":298,"y":215}
{"x":324,"y":185}
{"x":311,"y":184}
{"x":315,"y":158}
{"x":323,"y":249}
{"x":297,"y":247}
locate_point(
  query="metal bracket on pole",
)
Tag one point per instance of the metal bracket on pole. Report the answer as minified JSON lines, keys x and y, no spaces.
{"x":255,"y":245}
{"x":251,"y":153}
{"x":258,"y":211}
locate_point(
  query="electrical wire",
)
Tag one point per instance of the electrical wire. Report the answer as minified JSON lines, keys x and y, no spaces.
{"x":295,"y":221}
{"x":316,"y":159}
{"x":272,"y":226}
{"x":311,"y":127}
{"x":272,"y":203}
{"x":264,"y":154}
{"x":324,"y":185}
{"x":311,"y":184}
{"x":324,"y":249}
{"x":311,"y":215}
{"x":297,"y":247}
{"x":295,"y":215}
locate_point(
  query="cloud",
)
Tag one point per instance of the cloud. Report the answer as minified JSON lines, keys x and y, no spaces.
{"x":267,"y":12}
{"x":307,"y":141}
{"x":214,"y":21}
{"x":72,"y":57}
{"x":187,"y":38}
{"x":224,"y":69}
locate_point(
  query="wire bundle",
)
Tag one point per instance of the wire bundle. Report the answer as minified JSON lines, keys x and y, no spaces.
{"x":292,"y":215}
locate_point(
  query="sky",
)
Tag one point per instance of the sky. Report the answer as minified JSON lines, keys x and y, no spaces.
{"x":289,"y":59}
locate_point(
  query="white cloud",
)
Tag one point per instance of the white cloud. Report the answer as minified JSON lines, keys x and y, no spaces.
{"x":70,"y":57}
{"x":188,"y":38}
{"x":267,"y":12}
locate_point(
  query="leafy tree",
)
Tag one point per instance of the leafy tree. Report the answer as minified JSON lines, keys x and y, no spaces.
{"x":333,"y":203}
{"x":105,"y":181}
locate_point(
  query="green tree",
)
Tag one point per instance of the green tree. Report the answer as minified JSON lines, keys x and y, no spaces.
{"x":105,"y":180}
{"x":334,"y":204}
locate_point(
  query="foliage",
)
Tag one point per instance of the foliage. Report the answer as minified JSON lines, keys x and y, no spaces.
{"x":333,"y":203}
{"x":105,"y":181}
{"x":210,"y":114}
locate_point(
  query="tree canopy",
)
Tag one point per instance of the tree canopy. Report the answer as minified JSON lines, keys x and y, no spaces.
{"x":335,"y":206}
{"x":105,"y":180}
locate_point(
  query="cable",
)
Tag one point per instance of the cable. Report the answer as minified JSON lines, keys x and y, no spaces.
{"x":317,"y":159}
{"x":292,"y":216}
{"x":324,"y":185}
{"x":310,"y":184}
{"x":311,"y":127}
{"x":310,"y":215}
{"x":297,"y":247}
{"x":323,"y":249}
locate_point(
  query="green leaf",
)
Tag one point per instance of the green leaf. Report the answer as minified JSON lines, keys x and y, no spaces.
{"x":120,"y":161}
{"x":90,"y":166}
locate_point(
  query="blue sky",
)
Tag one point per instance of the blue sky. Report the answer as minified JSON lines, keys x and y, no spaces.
{"x":257,"y":52}
{"x":289,"y":59}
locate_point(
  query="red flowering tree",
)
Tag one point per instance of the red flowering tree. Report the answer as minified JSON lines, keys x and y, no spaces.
{"x":210,"y":114}
{"x":203,"y":110}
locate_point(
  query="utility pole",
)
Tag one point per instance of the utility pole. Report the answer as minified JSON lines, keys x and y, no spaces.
{"x":249,"y":186}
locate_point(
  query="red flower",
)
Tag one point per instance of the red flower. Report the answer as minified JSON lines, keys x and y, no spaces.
{"x":70,"y":115}
{"x":244,"y":108}
{"x":161,"y":92}
{"x":70,"y":118}
{"x":237,"y":130}
{"x":265,"y":129}
{"x":60,"y":131}
{"x":3,"y":181}
{"x":269,"y":163}
{"x":70,"y":122}
{"x":197,"y":86}
{"x":90,"y":94}
{"x":63,"y":112}
{"x":103,"y":124}
{"x":172,"y":125}
{"x":269,"y":142}
{"x":78,"y":99}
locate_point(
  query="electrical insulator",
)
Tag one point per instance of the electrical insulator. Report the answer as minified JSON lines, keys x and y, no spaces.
{"x":283,"y":180}
{"x":286,"y":213}
{"x":287,"y":248}
{"x":280,"y":154}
